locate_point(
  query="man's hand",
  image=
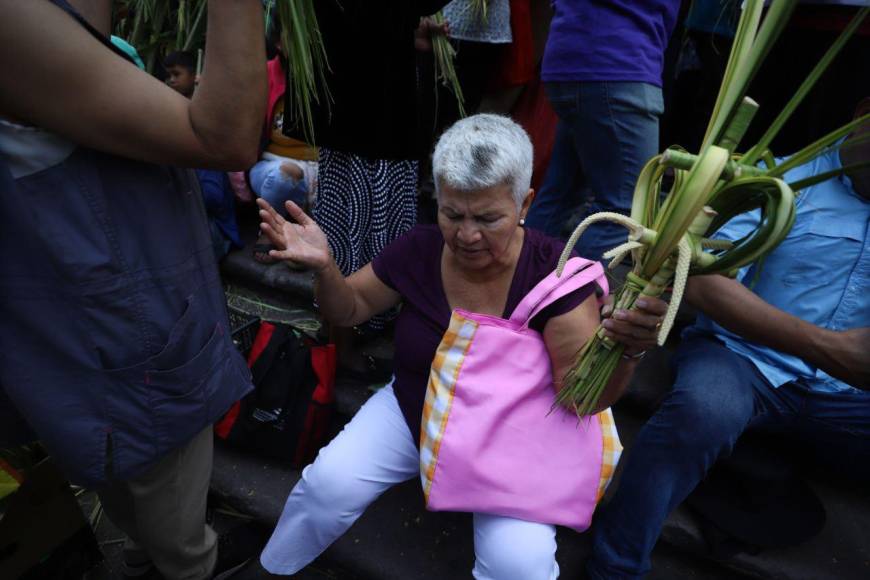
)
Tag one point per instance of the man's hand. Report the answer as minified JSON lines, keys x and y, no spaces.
{"x":845,"y":355}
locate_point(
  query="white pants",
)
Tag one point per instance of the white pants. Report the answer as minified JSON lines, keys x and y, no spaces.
{"x":374,"y":452}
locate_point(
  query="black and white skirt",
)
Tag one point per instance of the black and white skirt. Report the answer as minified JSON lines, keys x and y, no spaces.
{"x":362,"y":205}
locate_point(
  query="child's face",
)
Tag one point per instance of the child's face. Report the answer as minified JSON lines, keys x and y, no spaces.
{"x":181,"y":79}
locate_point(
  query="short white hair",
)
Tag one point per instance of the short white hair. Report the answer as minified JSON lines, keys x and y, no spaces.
{"x":484,"y":151}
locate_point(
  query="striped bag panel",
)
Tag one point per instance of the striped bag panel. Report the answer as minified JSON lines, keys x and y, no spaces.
{"x":611,"y":450}
{"x":439,"y":393}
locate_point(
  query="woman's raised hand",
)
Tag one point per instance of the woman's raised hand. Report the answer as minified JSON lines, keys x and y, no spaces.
{"x":637,"y":329}
{"x":300,"y":241}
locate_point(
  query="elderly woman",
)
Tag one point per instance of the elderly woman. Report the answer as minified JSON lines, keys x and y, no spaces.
{"x":479,"y":258}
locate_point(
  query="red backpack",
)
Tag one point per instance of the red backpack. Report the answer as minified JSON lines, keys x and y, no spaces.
{"x":287,"y":415}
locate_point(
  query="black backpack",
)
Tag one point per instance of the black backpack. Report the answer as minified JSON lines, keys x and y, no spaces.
{"x":287,"y":415}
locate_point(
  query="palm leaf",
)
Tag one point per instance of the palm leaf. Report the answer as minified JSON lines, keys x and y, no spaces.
{"x":669,"y":239}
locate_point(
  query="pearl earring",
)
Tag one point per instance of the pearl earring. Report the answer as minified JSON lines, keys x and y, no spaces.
{"x":522,"y":222}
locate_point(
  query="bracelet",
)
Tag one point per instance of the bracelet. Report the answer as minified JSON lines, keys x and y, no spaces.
{"x":637,"y":356}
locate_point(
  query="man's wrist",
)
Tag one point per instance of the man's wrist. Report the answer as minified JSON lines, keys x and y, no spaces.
{"x":820,"y":343}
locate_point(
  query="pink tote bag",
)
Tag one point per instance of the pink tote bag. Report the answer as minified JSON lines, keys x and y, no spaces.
{"x":491,"y":441}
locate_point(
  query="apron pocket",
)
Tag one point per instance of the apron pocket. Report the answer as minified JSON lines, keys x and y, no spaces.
{"x":169,"y":392}
{"x":180,"y":396}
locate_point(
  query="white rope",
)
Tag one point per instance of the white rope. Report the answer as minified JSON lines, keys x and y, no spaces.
{"x":619,"y":252}
{"x":636,"y":230}
{"x":610,"y":216}
{"x":681,"y":274}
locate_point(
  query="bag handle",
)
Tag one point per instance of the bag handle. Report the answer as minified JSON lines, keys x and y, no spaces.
{"x":578,"y":272}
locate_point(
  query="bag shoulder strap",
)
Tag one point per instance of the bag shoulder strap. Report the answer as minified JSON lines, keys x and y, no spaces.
{"x":67,"y":7}
{"x":578,"y":272}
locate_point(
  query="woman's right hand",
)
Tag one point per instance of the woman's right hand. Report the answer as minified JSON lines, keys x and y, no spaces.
{"x":302,"y":242}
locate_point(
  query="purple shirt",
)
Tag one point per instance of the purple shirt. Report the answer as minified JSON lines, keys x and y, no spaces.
{"x":411,"y":266}
{"x":609,"y":40}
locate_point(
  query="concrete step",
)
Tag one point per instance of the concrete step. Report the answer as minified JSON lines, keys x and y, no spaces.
{"x":841,"y":550}
{"x":240,"y":267}
{"x":397,"y":538}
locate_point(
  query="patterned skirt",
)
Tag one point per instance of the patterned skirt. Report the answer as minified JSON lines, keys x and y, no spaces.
{"x":362,"y":205}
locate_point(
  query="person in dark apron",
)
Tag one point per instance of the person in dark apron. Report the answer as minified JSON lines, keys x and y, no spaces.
{"x":114,"y":339}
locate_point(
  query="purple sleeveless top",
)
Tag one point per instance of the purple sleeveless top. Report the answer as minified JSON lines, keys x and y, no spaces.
{"x":411,"y":266}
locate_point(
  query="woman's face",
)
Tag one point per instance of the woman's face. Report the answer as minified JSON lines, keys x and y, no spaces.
{"x":479,"y":226}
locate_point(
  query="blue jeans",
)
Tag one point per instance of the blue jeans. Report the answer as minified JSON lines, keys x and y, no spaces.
{"x":717,"y":395}
{"x":271,"y":184}
{"x":607,"y":131}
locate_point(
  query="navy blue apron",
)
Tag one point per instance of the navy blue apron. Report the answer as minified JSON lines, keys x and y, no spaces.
{"x":114,"y":338}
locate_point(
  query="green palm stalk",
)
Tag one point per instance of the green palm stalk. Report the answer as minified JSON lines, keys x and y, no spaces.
{"x":181,"y":21}
{"x":445,"y":71}
{"x":302,"y":44}
{"x":157,"y":27}
{"x":671,"y":239}
{"x":479,"y":9}
{"x":445,"y":54}
{"x":194,"y":33}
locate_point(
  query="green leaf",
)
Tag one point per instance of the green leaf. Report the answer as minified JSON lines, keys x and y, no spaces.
{"x":752,"y":156}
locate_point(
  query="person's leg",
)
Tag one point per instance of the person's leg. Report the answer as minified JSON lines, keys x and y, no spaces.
{"x":343,"y":210}
{"x":616,"y":131}
{"x":560,"y":190}
{"x":373,"y":452}
{"x":716,"y":395}
{"x":163,"y":511}
{"x":835,"y":429}
{"x":561,"y":187}
{"x":344,"y":206}
{"x":279,"y":180}
{"x":118,"y":503}
{"x":511,"y":549}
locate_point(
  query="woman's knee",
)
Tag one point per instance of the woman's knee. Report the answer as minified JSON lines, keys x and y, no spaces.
{"x":510,"y":549}
{"x":327,"y":486}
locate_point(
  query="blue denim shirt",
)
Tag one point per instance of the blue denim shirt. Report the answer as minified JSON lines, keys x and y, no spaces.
{"x":820,"y":273}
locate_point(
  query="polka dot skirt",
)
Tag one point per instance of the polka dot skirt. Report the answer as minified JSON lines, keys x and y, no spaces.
{"x":362,"y":205}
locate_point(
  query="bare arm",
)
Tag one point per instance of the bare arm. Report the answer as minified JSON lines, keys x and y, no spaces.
{"x":840,"y":354}
{"x":352,"y":300}
{"x":56,"y":76}
{"x":565,"y":335}
{"x":343,"y":301}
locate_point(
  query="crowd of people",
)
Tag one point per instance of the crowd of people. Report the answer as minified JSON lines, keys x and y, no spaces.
{"x":115,"y":346}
